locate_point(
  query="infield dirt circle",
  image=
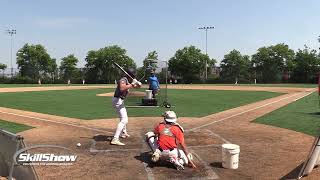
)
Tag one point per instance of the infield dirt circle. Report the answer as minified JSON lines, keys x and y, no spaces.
{"x":266,"y":152}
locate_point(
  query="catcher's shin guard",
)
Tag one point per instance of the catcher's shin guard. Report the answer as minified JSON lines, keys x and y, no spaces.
{"x":176,"y":163}
{"x":182,"y":157}
{"x":151,"y":141}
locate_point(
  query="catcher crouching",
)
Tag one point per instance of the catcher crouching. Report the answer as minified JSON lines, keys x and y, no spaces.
{"x":165,"y":140}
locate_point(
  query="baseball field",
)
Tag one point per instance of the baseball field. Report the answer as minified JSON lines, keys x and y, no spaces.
{"x":273,"y":124}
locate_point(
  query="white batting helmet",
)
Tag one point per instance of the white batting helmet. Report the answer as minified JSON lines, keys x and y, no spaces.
{"x":170,"y":116}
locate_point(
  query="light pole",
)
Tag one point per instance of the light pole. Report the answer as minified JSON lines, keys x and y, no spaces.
{"x":166,"y":93}
{"x":11,"y":32}
{"x":255,"y":72}
{"x":206,"y":29}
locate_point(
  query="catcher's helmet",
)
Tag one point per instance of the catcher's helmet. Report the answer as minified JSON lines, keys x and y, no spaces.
{"x":170,"y":116}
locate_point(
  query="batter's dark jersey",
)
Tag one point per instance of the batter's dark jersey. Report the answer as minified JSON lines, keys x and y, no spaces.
{"x":121,"y":94}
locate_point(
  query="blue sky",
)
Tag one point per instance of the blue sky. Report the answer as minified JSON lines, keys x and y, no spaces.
{"x":77,"y":26}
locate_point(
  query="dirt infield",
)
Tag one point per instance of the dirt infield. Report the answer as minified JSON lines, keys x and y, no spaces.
{"x":266,"y":152}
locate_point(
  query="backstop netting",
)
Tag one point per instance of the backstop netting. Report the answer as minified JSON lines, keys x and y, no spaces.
{"x":9,"y":145}
{"x":160,"y":70}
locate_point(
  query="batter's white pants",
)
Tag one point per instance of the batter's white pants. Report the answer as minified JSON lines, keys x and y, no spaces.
{"x":118,"y":104}
{"x":175,"y":154}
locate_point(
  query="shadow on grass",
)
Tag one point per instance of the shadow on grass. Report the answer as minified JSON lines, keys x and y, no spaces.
{"x":315,"y":113}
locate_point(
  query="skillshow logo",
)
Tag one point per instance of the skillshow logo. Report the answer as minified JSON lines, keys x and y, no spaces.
{"x":22,"y":157}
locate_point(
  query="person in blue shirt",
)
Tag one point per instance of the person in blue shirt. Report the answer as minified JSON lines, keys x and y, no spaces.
{"x":154,"y":84}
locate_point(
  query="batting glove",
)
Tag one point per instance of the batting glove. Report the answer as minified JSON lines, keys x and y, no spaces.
{"x":134,"y":81}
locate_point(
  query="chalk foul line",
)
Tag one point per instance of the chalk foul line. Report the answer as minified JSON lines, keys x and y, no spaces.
{"x":249,"y":110}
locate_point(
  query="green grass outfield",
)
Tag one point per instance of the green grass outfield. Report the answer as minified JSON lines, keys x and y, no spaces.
{"x":45,"y":85}
{"x":302,"y":116}
{"x":84,"y":104}
{"x":263,"y":85}
{"x":258,"y":85}
{"x":13,"y":127}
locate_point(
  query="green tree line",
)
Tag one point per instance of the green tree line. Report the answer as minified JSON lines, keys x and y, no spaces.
{"x":271,"y":64}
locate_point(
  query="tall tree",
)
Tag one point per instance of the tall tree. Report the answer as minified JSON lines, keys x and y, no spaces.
{"x":306,"y":66}
{"x":99,"y":68}
{"x":189,"y":63}
{"x":34,"y":61}
{"x":3,"y":67}
{"x":142,"y":71}
{"x":68,"y":67}
{"x":235,"y":66}
{"x":53,"y":70}
{"x":272,"y":62}
{"x":151,"y":55}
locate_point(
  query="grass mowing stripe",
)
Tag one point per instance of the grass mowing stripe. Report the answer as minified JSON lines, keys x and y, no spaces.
{"x":84,"y":104}
{"x":201,"y":103}
{"x":13,"y":127}
{"x":302,"y":116}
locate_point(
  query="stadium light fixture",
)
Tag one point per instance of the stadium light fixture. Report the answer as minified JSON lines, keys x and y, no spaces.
{"x":206,"y":29}
{"x":11,"y":32}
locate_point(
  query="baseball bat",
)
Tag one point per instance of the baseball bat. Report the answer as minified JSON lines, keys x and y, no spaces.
{"x":118,"y":66}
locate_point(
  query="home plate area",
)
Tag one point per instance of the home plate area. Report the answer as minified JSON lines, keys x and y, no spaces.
{"x":201,"y":141}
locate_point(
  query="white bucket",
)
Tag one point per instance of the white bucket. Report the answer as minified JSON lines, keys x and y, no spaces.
{"x":148,"y":94}
{"x":230,"y":156}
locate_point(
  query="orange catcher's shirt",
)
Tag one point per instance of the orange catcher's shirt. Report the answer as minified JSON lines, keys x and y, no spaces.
{"x":167,"y":136}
